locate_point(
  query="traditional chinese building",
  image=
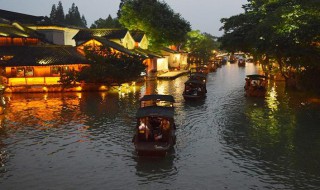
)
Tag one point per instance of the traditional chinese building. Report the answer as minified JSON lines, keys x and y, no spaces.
{"x":177,"y":59}
{"x":16,"y":34}
{"x":119,"y":36}
{"x":54,"y":33}
{"x":123,"y":41}
{"x":140,"y":38}
{"x":34,"y":68}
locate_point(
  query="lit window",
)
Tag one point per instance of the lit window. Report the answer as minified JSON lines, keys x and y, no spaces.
{"x":65,"y":69}
{"x":55,"y":71}
{"x":20,"y":72}
{"x":29,"y":72}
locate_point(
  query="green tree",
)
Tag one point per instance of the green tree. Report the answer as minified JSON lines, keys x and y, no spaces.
{"x":161,"y":24}
{"x":201,"y":45}
{"x":109,"y":22}
{"x":68,"y":79}
{"x":59,"y":16}
{"x":84,"y":21}
{"x":286,"y":31}
{"x":73,"y":17}
{"x":109,"y":67}
{"x":53,"y":13}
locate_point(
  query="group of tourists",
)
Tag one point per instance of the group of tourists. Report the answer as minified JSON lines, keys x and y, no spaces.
{"x":154,"y":128}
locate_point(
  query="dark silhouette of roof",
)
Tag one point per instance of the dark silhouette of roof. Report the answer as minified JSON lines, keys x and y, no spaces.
{"x":137,"y":35}
{"x":87,"y":34}
{"x":147,"y":53}
{"x":114,"y":45}
{"x":22,"y":18}
{"x":17,"y":30}
{"x":40,"y":56}
{"x":159,"y":97}
{"x":155,"y":111}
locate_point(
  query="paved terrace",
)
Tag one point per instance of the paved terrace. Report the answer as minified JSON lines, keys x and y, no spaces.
{"x":172,"y":74}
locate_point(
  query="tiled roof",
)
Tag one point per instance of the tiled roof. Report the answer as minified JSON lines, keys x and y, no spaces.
{"x":108,"y":43}
{"x":22,"y":18}
{"x":137,"y":35}
{"x":17,"y":30}
{"x":40,"y":55}
{"x":86,"y":34}
{"x":147,"y":53}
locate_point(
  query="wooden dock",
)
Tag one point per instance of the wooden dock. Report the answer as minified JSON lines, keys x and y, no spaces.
{"x":172,"y":74}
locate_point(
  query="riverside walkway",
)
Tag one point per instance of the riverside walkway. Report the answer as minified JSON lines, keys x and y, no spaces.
{"x":172,"y":74}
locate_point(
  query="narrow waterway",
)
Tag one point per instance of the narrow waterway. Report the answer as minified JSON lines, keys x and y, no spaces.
{"x":227,"y":141}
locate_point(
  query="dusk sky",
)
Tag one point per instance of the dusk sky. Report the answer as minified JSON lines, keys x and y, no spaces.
{"x":203,"y":15}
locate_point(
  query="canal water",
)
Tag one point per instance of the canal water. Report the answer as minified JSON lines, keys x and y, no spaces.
{"x":227,"y":141}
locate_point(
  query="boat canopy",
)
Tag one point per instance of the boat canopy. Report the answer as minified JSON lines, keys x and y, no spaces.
{"x":198,"y":74}
{"x":157,"y":97}
{"x":155,"y":111}
{"x":193,"y":81}
{"x":256,"y":77}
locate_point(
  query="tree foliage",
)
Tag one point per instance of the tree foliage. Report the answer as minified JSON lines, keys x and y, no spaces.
{"x":71,"y":18}
{"x":161,"y":24}
{"x":109,"y":22}
{"x":286,"y":31}
{"x":201,"y":45}
{"x":111,"y":67}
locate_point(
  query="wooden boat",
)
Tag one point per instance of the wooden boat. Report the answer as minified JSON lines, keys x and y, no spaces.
{"x":255,"y":86}
{"x":155,"y":129}
{"x":200,"y":69}
{"x":198,"y":76}
{"x":194,"y":89}
{"x":232,"y":59}
{"x":241,"y":63}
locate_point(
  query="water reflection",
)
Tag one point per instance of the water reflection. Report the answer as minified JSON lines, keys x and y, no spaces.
{"x":158,"y":170}
{"x":269,"y":137}
{"x":226,"y":141}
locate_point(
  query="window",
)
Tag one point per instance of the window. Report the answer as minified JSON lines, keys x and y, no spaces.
{"x":20,"y":72}
{"x":55,"y":71}
{"x":65,"y":69}
{"x":29,"y":72}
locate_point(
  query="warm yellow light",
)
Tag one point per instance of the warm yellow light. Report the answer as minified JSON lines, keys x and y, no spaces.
{"x":45,"y":89}
{"x":17,"y":81}
{"x":3,"y":34}
{"x":35,"y":80}
{"x":79,"y":95}
{"x":103,"y":95}
{"x":79,"y":88}
{"x":272,"y":100}
{"x":161,"y":88}
{"x":103,"y":88}
{"x":52,"y":80}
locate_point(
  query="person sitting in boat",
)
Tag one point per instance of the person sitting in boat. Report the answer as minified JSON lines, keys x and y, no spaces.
{"x":143,"y":129}
{"x":262,"y":84}
{"x":165,"y":126}
{"x":188,"y":88}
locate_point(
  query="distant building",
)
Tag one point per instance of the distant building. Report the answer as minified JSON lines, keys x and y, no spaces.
{"x":177,"y":59}
{"x":140,"y":38}
{"x":55,"y":34}
{"x":9,"y":17}
{"x":58,"y":34}
{"x":119,"y":36}
{"x":39,"y":66}
{"x":29,"y":63}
